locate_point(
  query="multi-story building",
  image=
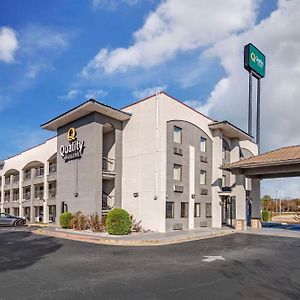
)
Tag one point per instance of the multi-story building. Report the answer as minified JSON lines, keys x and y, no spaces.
{"x":157,"y":158}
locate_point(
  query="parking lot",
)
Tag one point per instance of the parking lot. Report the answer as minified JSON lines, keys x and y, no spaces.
{"x":238,"y":266}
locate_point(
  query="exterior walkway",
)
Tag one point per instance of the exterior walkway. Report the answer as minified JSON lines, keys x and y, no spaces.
{"x":135,"y":239}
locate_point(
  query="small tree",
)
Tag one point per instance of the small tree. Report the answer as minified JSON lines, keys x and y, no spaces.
{"x":266,"y":201}
{"x":118,"y":222}
{"x":65,"y":219}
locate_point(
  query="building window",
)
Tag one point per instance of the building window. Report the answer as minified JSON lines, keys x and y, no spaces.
{"x":177,"y":135}
{"x":177,"y":172}
{"x":197,"y":211}
{"x":184,"y":209}
{"x":202,"y":177}
{"x":169,"y":210}
{"x":208,"y":210}
{"x":224,"y":181}
{"x":203,"y":144}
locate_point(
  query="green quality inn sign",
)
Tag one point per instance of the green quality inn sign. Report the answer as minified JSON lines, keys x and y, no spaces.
{"x":254,"y":61}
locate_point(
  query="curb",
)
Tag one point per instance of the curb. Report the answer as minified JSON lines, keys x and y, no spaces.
{"x":104,"y":241}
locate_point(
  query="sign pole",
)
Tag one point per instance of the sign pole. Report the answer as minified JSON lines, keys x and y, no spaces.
{"x":258,"y":117}
{"x":250,"y":105}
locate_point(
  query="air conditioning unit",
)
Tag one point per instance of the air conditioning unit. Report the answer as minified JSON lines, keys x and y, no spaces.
{"x":204,"y":192}
{"x":178,"y":188}
{"x":178,"y":151}
{"x":203,"y":158}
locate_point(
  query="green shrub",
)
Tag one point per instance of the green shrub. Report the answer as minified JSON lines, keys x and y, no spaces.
{"x":65,"y":219}
{"x":265,"y":215}
{"x":118,"y":222}
{"x":79,"y":221}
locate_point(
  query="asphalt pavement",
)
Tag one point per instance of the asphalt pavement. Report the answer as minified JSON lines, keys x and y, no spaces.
{"x":237,"y":266}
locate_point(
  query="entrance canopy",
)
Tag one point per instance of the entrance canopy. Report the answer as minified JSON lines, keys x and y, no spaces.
{"x":283,"y":162}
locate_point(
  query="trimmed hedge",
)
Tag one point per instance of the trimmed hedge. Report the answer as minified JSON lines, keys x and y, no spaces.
{"x":265,"y":215}
{"x":118,"y":222}
{"x":65,"y":219}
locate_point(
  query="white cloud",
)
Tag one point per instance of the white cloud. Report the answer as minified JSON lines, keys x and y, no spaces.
{"x":95,"y":94}
{"x":176,"y":26}
{"x":72,"y":94}
{"x":8,"y":44}
{"x":34,"y":69}
{"x":88,"y":94}
{"x":143,"y":93}
{"x":37,"y":38}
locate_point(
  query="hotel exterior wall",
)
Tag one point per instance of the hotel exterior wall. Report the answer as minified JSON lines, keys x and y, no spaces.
{"x":80,"y":180}
{"x":191,"y":135}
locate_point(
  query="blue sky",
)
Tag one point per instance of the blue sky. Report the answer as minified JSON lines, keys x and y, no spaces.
{"x":56,"y":54}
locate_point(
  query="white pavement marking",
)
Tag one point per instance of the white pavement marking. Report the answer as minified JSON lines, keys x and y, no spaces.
{"x":212,"y":258}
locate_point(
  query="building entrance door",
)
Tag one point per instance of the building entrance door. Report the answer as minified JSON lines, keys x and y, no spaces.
{"x":228,"y":211}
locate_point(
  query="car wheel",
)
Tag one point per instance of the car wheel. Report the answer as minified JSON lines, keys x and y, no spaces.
{"x":18,"y":223}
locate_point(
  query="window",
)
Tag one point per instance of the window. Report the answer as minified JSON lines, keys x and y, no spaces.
{"x":184,"y":209}
{"x":202,"y":177}
{"x":208,"y":210}
{"x":197,"y":212}
{"x":169,"y":210}
{"x":177,"y":172}
{"x":203,"y":144}
{"x":177,"y":135}
{"x":223,"y":180}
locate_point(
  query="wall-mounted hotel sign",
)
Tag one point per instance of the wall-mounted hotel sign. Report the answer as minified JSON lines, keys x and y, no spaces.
{"x":75,"y":148}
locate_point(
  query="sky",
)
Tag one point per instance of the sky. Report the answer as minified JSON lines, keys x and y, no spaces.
{"x":56,"y":54}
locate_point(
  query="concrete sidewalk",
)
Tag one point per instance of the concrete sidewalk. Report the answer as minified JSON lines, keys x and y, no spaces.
{"x":273,"y":232}
{"x":135,"y":239}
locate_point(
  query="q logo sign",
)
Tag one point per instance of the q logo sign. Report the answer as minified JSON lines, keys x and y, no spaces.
{"x":253,"y":56}
{"x":72,"y":134}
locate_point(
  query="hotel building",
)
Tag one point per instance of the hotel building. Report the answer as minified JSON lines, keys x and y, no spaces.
{"x":157,"y":158}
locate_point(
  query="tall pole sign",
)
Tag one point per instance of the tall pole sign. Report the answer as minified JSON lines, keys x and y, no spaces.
{"x":255,"y":64}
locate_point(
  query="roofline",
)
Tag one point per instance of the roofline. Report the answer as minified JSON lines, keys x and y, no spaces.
{"x":236,"y":127}
{"x":179,"y":101}
{"x":82,"y":104}
{"x":17,"y":154}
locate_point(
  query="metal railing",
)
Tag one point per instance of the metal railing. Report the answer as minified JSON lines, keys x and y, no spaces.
{"x":39,"y":195}
{"x":16,"y":178}
{"x":6,"y":198}
{"x":27,"y":176}
{"x":52,"y":193}
{"x":39,"y":172}
{"x":52,"y":168}
{"x":108,"y":164}
{"x":27,"y":196}
{"x":108,"y":202}
{"x":16,"y":197}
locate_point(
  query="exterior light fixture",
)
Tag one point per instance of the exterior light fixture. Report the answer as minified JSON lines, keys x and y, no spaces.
{"x":135,"y":195}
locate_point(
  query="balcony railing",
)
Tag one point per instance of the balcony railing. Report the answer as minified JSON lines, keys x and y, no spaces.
{"x":52,"y":168}
{"x":39,"y":195}
{"x":16,"y":197}
{"x":108,"y":164}
{"x":39,"y":172}
{"x":52,"y":193}
{"x":6,"y":198}
{"x":108,"y":202}
{"x":27,"y":196}
{"x":27,"y":176}
{"x":16,"y":178}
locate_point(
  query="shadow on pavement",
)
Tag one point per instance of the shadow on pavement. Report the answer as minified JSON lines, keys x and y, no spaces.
{"x":19,"y":250}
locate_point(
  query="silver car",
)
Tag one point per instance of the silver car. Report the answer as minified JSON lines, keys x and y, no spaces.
{"x":8,"y":220}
